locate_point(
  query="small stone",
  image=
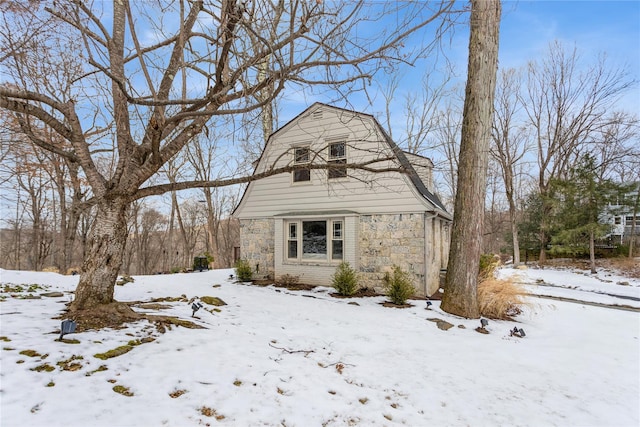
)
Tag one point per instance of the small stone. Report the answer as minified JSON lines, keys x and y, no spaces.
{"x":441,"y":324}
{"x":462,"y":327}
{"x":52,"y":294}
{"x":481,"y":330}
{"x":213,"y":301}
{"x":353,"y":303}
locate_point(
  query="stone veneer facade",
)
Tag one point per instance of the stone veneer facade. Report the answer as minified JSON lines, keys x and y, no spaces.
{"x":383,"y":241}
{"x":257,"y":246}
{"x":388,"y":240}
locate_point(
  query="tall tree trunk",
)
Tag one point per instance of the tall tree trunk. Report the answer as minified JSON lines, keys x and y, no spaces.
{"x":542,"y":257}
{"x":515,"y":240}
{"x":460,"y":296}
{"x":513,"y":213}
{"x":106,"y":243}
{"x":592,"y":251}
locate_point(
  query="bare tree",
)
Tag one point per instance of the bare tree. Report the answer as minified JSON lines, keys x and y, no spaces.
{"x":567,"y":105}
{"x":419,"y":109}
{"x":208,"y":44}
{"x":447,"y":135}
{"x":202,"y":156}
{"x":618,"y":150}
{"x":460,"y":291}
{"x":510,"y":145}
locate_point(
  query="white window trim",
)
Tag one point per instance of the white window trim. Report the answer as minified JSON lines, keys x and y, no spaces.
{"x":329,"y":143}
{"x":293,"y":174}
{"x":300,"y":259}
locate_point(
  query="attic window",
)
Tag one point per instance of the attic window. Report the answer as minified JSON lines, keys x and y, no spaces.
{"x":301,"y":156}
{"x":337,"y":156}
{"x":317,"y":115}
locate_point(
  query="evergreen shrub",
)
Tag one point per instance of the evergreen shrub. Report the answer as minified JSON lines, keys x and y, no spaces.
{"x":243,"y":270}
{"x":398,"y":285}
{"x":345,"y":280}
{"x":488,"y":265}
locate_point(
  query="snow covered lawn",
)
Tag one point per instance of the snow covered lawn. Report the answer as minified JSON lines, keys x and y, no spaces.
{"x":274,"y":357}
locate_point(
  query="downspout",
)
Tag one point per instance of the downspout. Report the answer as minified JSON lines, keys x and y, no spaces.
{"x":427,"y":218}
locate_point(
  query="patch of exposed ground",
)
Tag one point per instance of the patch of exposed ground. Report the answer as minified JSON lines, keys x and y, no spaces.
{"x":118,"y":314}
{"x":362,"y":292}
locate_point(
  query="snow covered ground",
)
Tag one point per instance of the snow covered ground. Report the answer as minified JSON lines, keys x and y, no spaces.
{"x":605,"y":287}
{"x":274,"y":357}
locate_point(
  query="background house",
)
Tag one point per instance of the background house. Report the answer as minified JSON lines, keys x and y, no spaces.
{"x":306,"y":222}
{"x":620,"y":216}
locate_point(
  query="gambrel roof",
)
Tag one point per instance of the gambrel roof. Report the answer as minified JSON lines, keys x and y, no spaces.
{"x":411,"y":172}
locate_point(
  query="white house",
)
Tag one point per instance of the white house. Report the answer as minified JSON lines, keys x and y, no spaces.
{"x":620,"y":216}
{"x":305,"y":222}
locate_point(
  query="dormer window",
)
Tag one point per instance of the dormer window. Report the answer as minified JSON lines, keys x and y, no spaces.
{"x":301,"y":157}
{"x":337,"y":156}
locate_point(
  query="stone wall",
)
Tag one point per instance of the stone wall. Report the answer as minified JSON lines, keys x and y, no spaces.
{"x":388,"y":240}
{"x":257,"y":246}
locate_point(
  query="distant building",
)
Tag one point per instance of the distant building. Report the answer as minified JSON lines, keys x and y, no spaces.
{"x":620,"y":217}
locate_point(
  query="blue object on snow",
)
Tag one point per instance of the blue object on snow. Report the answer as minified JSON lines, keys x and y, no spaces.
{"x":67,"y":327}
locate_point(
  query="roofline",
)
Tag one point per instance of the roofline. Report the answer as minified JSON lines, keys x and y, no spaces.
{"x":398,"y":152}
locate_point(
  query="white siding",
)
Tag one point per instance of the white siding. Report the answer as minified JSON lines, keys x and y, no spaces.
{"x":363,"y":192}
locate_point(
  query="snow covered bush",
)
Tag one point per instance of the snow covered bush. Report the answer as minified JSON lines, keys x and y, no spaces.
{"x":398,"y":285}
{"x":345,"y":280}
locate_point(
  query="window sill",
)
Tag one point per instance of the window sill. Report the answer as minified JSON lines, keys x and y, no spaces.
{"x":311,"y":263}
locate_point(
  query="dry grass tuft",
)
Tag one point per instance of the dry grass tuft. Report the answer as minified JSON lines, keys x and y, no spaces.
{"x":500,"y":299}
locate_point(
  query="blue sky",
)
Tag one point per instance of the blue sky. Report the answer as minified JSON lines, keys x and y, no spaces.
{"x":527,"y":29}
{"x":594,"y":26}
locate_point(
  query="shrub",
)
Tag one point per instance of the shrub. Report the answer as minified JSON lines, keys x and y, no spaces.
{"x":398,"y":285}
{"x":500,"y":299}
{"x":488,"y":265}
{"x":345,"y":280}
{"x":243,"y":270}
{"x":289,"y":280}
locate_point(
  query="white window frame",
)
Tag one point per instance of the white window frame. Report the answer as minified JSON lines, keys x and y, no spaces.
{"x":336,"y":173}
{"x":334,"y":233}
{"x":296,"y":161}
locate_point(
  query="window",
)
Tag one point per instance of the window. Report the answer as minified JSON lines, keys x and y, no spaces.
{"x":320,"y":240}
{"x":336,"y":241}
{"x":301,"y":156}
{"x":337,"y":156}
{"x":292,"y":241}
{"x":314,"y":239}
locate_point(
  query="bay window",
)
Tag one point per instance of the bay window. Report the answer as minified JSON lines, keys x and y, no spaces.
{"x":315,"y":240}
